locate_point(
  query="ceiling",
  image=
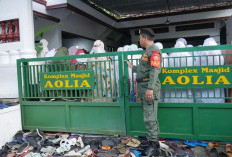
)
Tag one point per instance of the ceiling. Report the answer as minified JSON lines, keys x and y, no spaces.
{"x":126,"y":9}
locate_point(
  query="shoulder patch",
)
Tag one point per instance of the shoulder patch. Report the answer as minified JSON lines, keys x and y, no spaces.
{"x":155,"y":59}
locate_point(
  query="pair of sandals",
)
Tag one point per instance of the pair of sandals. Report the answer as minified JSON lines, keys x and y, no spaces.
{"x":67,"y":144}
{"x":131,"y":142}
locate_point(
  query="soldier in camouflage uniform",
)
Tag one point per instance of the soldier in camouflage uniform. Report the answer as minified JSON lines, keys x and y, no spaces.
{"x":149,"y":87}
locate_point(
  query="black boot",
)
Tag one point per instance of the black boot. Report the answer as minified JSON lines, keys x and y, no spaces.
{"x":152,"y":149}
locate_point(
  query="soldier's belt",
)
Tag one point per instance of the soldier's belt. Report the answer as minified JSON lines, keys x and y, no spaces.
{"x":142,"y":80}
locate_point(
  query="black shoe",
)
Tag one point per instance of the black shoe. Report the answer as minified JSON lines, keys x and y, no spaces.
{"x":37,"y":134}
{"x":152,"y":149}
{"x":144,"y":144}
{"x":5,"y":149}
{"x":32,"y":142}
{"x":18,"y":135}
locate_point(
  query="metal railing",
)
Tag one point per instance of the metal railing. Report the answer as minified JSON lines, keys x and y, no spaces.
{"x":182,"y":78}
{"x":189,"y":75}
{"x":107,"y":69}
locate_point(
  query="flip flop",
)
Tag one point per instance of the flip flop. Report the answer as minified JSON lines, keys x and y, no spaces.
{"x":106,"y":147}
{"x":136,"y":153}
{"x":133,"y":143}
{"x":195,"y":143}
{"x":202,"y":144}
{"x":125,"y":140}
{"x":121,"y":148}
{"x":213,"y":144}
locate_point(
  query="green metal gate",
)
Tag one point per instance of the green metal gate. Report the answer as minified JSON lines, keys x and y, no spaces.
{"x":178,"y":119}
{"x":113,"y":107}
{"x":97,"y":110}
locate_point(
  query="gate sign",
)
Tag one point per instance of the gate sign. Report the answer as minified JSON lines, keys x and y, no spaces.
{"x":67,"y":80}
{"x":197,"y":77}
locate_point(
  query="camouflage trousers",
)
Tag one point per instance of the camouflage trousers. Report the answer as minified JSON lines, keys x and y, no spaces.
{"x":150,"y":118}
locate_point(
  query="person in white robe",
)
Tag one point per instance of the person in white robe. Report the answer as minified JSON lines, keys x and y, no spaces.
{"x":179,"y":59}
{"x":102,"y":71}
{"x":208,"y":59}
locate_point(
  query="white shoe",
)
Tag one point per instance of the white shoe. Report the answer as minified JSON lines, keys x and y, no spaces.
{"x":80,"y":142}
{"x":63,"y":149}
{"x":73,"y":153}
{"x":88,"y":152}
{"x":70,"y":142}
{"x":162,"y":145}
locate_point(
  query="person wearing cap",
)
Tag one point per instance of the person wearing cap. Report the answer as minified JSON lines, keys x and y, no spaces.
{"x":149,"y":87}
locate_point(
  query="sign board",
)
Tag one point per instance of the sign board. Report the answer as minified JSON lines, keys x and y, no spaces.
{"x":67,"y":80}
{"x":197,"y":77}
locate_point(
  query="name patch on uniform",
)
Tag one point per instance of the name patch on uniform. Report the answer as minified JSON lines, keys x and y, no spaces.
{"x":144,"y":59}
{"x":155,"y":59}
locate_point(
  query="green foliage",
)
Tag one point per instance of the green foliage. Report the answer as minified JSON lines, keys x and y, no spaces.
{"x":42,"y":30}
